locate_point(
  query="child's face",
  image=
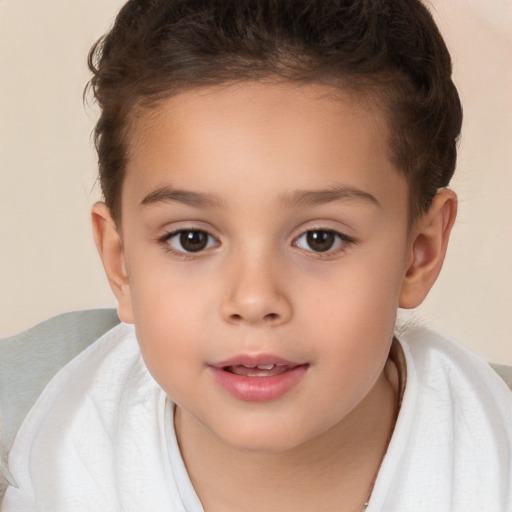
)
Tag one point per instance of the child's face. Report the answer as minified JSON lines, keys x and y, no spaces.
{"x":263,"y":224}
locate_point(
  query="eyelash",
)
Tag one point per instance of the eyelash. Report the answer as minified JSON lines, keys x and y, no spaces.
{"x":342,"y":241}
{"x":167,"y":238}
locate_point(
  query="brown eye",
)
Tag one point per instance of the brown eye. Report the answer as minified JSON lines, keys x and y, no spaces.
{"x":190,"y":240}
{"x":193,"y":241}
{"x":322,"y":240}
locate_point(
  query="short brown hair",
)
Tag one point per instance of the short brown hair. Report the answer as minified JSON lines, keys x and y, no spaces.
{"x":389,"y":48}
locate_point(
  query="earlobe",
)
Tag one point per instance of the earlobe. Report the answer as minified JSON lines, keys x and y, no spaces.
{"x":110,"y":248}
{"x":427,"y":249}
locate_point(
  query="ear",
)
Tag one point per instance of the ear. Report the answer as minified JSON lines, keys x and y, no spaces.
{"x":427,"y":248}
{"x":110,"y":248}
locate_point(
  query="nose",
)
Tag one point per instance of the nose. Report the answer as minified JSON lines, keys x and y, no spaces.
{"x":256,"y":294}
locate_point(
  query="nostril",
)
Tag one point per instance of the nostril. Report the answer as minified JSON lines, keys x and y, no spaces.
{"x":271,"y":316}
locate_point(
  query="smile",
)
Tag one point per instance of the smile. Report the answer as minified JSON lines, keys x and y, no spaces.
{"x":260,"y":379}
{"x":262,"y":370}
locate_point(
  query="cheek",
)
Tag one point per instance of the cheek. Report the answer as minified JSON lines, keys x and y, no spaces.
{"x":170,"y":312}
{"x":359,"y":292}
{"x":169,"y":347}
{"x":165,"y":291}
{"x":353,"y":314}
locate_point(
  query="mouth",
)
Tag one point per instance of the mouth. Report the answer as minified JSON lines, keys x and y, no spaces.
{"x":261,"y":370}
{"x":258,"y":379}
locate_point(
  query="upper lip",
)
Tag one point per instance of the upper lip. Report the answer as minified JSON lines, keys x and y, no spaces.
{"x":251,"y":361}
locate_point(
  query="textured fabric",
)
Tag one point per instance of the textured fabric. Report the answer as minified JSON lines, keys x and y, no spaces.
{"x":101,"y":437}
{"x":451,"y":450}
{"x":96,"y":440}
{"x":30,"y":359}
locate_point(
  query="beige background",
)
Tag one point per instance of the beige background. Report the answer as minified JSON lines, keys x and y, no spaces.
{"x":48,"y":263}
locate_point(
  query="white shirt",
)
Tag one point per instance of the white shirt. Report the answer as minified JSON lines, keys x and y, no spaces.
{"x":101,"y":437}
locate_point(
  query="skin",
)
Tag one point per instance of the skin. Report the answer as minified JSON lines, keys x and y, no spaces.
{"x":258,"y":287}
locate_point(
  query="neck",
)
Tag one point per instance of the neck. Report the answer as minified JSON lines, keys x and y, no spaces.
{"x":334,"y":471}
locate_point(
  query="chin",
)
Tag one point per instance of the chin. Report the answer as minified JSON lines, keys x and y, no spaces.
{"x":270,"y":438}
{"x":264,"y":446}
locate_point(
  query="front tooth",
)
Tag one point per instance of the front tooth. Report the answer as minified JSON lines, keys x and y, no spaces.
{"x":265,"y":366}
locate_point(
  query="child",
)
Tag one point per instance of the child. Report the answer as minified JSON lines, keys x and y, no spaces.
{"x":274,"y":175}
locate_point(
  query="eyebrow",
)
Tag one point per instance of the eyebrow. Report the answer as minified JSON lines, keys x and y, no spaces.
{"x":329,"y":195}
{"x":196,"y":199}
{"x":294,"y":199}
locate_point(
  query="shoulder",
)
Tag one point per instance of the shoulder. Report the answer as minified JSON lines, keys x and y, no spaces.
{"x":79,"y":428}
{"x":460,"y":402}
{"x":30,"y":359}
{"x":434,"y":354}
{"x":452,"y":444}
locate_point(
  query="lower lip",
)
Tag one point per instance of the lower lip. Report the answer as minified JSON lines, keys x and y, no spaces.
{"x":259,"y":389}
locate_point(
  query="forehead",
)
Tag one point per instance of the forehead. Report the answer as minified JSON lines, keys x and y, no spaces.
{"x":274,"y":136}
{"x":268,"y":106}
